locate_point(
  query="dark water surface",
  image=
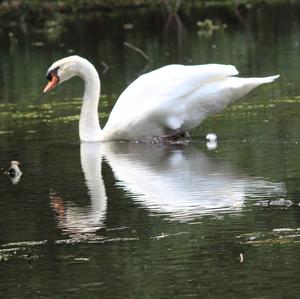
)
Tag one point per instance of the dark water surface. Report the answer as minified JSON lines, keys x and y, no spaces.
{"x":124,"y":220}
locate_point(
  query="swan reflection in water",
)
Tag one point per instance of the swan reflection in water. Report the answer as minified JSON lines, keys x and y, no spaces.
{"x":179,"y":182}
{"x":82,"y":222}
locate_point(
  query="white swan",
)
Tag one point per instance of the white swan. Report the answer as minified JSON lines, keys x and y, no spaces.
{"x":172,"y":99}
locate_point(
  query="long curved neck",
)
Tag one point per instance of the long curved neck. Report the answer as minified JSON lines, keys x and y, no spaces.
{"x":89,"y":126}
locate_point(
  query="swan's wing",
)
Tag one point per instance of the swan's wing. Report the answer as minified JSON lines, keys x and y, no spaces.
{"x":148,"y":99}
{"x":172,"y":81}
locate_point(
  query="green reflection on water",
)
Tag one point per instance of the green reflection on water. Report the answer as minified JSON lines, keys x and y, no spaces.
{"x":138,"y":250}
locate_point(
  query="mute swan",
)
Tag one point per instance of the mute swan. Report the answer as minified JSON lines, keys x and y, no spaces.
{"x":169,"y":100}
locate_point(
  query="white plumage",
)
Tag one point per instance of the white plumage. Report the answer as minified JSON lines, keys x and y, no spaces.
{"x":174,"y":97}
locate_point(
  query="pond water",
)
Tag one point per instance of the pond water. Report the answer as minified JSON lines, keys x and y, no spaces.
{"x":124,"y":220}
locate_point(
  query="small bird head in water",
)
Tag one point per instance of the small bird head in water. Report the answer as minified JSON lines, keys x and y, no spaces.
{"x":14,"y":172}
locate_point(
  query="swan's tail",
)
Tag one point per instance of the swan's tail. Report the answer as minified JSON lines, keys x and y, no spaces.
{"x":254,"y":82}
{"x":241,"y":86}
{"x":268,"y":79}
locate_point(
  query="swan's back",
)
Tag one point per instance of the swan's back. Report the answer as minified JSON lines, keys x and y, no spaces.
{"x":176,"y":97}
{"x":172,"y":81}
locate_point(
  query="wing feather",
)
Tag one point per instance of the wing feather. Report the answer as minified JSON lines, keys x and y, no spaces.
{"x":147,"y":100}
{"x":169,"y":81}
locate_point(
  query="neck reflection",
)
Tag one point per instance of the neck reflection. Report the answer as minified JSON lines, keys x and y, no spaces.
{"x":83,"y":222}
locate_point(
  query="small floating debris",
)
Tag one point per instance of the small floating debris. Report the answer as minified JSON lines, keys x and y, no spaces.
{"x":207,"y":27}
{"x":241,"y":258}
{"x":38,"y":44}
{"x":211,"y":145}
{"x":30,"y":257}
{"x":161,"y":236}
{"x":31,"y":131}
{"x":275,"y":203}
{"x":82,"y":259}
{"x":211,"y":137}
{"x":128,"y":26}
{"x":285,"y":230}
{"x":6,"y":132}
{"x":14,"y":172}
{"x":4,"y":257}
{"x":212,"y":141}
{"x":276,"y":236}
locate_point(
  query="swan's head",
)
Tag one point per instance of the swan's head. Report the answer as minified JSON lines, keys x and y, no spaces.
{"x":62,"y":70}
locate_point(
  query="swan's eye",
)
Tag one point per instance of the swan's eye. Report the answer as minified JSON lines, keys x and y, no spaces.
{"x":49,"y":77}
{"x":52,"y":73}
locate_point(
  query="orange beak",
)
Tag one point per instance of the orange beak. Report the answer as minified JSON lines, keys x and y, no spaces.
{"x":52,"y":83}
